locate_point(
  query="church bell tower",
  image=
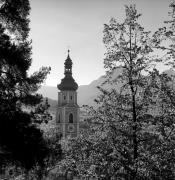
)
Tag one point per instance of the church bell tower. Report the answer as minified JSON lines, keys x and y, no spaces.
{"x":67,"y":116}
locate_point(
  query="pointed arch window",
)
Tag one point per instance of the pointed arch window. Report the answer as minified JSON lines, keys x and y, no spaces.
{"x":70,"y":118}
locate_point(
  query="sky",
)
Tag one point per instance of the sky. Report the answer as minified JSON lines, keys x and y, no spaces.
{"x":59,"y":25}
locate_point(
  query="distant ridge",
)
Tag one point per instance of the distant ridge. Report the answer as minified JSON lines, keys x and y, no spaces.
{"x":49,"y":91}
{"x":86,"y":93}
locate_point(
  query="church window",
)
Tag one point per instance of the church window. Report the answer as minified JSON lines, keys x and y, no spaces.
{"x":70,"y":118}
{"x":59,"y":118}
{"x":71,"y":97}
{"x":64,"y":97}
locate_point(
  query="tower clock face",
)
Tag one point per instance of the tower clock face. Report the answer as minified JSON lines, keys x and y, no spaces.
{"x":70,"y":128}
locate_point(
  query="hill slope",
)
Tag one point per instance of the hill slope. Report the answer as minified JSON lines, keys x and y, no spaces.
{"x":86,"y":93}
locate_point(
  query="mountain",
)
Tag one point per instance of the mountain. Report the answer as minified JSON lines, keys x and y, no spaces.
{"x":49,"y":91}
{"x":86,"y":93}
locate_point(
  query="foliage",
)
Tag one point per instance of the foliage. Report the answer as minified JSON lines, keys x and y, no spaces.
{"x":21,"y":140}
{"x":163,"y":38}
{"x":132,"y":133}
{"x":53,"y":140}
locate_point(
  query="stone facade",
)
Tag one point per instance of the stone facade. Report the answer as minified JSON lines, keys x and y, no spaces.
{"x":67,"y":116}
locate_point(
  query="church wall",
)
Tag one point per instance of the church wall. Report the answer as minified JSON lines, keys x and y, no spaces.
{"x":65,"y":97}
{"x":72,"y":110}
{"x":62,"y":120}
{"x":67,"y":115}
{"x":70,"y":129}
{"x":59,"y":115}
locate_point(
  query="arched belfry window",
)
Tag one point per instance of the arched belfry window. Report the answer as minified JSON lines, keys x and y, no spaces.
{"x":59,"y":118}
{"x":70,"y":118}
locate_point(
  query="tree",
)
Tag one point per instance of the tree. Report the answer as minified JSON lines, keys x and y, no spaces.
{"x":163,"y":38}
{"x":132,"y":133}
{"x":128,"y":46}
{"x":21,"y":140}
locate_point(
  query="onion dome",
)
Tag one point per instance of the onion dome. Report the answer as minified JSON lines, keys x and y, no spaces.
{"x":68,"y":83}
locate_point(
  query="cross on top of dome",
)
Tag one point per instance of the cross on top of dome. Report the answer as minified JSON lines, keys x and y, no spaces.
{"x":68,"y":83}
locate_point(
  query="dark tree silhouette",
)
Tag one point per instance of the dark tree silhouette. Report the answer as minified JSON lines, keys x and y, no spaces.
{"x":21,"y":140}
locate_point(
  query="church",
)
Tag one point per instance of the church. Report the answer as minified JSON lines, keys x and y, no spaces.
{"x":67,"y":115}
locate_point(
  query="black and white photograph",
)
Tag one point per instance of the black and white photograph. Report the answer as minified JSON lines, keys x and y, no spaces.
{"x":87,"y":89}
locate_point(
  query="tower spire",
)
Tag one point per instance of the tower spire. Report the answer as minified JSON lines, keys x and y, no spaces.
{"x":68,"y":65}
{"x":68,"y":83}
{"x":68,"y":51}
